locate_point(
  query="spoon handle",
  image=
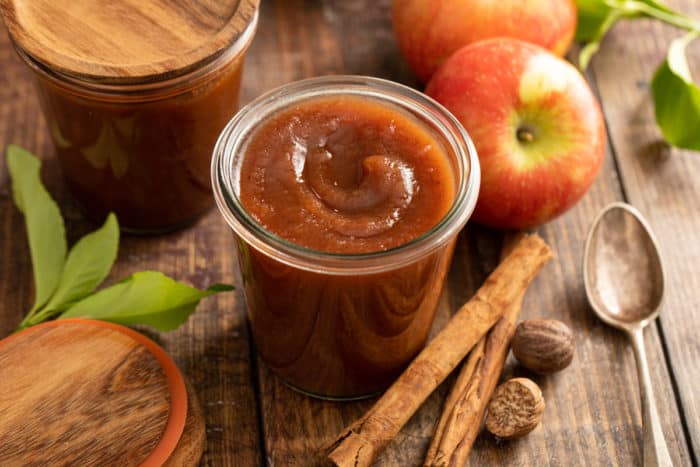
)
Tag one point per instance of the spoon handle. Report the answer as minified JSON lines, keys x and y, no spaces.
{"x":655,"y":449}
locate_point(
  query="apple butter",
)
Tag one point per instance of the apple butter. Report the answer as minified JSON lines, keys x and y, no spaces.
{"x":346,"y":175}
{"x":345,"y":195}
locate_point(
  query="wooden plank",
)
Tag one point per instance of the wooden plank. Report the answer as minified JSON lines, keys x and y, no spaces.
{"x":662,"y":183}
{"x":593,"y":411}
{"x":212,"y":349}
{"x":592,"y":417}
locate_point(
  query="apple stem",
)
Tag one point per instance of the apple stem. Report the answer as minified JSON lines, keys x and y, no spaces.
{"x":525,"y":135}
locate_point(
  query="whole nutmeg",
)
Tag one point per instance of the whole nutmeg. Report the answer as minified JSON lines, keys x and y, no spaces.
{"x":515,"y":408}
{"x":543,"y":345}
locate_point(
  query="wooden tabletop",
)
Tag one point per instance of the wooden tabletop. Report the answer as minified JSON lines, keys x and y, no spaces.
{"x":593,"y":410}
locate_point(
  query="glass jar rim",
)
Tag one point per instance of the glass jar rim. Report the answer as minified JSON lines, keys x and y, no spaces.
{"x":166,"y":85}
{"x":295,"y":255}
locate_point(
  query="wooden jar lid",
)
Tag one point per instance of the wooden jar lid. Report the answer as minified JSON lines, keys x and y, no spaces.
{"x":126,"y":41}
{"x":79,"y":392}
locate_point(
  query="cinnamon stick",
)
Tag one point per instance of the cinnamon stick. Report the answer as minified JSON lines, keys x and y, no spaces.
{"x":362,"y":441}
{"x":464,"y":408}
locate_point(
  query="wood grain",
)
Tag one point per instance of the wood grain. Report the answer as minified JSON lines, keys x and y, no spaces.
{"x":193,"y":441}
{"x":126,"y":40}
{"x":663,"y":183}
{"x":592,"y":416}
{"x":80,"y":394}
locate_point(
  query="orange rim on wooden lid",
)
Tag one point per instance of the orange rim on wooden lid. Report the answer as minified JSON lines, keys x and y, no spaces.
{"x":177,"y":414}
{"x":128,"y":41}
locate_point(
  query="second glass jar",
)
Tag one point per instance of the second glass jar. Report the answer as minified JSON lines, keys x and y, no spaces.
{"x":142,"y":149}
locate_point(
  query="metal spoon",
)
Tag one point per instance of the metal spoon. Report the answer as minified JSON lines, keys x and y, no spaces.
{"x":624,"y":280}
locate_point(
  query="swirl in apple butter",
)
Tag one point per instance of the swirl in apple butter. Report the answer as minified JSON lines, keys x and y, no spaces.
{"x":345,"y":175}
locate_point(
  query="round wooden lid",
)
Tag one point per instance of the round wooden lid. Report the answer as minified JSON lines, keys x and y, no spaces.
{"x":127,"y":41}
{"x":79,"y":392}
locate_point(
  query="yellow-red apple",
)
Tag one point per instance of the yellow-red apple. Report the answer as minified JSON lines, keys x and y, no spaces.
{"x":536,"y":125}
{"x":429,"y":31}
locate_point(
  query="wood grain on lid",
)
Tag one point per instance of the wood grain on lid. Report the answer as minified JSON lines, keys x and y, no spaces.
{"x":126,"y":40}
{"x":80,"y":394}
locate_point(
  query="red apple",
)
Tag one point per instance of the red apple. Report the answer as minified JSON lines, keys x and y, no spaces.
{"x":429,"y":31}
{"x":537,"y":128}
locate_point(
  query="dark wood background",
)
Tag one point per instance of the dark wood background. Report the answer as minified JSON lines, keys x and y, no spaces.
{"x":593,"y":410}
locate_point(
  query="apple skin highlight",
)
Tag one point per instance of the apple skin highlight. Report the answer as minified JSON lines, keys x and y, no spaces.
{"x":537,"y":127}
{"x":429,"y":31}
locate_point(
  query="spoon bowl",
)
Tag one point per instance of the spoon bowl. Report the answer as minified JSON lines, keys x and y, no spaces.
{"x":624,"y":279}
{"x":623,"y":273}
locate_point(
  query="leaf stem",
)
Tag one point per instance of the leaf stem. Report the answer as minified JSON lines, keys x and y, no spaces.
{"x":43,"y":315}
{"x":592,"y":47}
{"x":36,"y":317}
{"x":27,"y":321}
{"x":668,"y":16}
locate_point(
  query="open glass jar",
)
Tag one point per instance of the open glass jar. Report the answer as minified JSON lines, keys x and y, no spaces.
{"x":342,"y":325}
{"x":135,"y":96}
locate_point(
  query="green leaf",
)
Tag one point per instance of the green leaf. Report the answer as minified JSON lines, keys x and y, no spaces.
{"x":592,"y":14}
{"x":144,"y":298}
{"x":87,"y":265}
{"x":45,"y":228}
{"x":677,"y":98}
